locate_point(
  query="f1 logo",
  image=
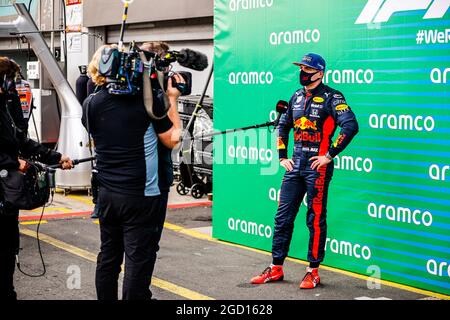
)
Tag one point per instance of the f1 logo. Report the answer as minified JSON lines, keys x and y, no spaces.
{"x":377,"y":11}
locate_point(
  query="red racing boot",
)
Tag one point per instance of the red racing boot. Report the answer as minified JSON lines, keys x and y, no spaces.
{"x":272,"y":273}
{"x":311,"y":279}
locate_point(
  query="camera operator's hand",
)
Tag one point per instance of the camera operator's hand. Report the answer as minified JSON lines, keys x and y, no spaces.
{"x":171,"y":138}
{"x":65,"y":162}
{"x":23,"y":166}
{"x":288,"y":164}
{"x":172,"y":92}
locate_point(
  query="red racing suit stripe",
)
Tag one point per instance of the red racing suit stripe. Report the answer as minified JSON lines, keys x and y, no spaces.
{"x":328,"y":129}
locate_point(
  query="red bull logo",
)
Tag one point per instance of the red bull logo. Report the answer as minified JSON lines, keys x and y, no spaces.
{"x":304,"y":123}
{"x":307,"y":136}
{"x":339,"y":139}
{"x":280,"y":144}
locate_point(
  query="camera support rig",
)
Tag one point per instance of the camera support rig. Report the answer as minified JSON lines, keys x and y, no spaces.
{"x":124,"y":22}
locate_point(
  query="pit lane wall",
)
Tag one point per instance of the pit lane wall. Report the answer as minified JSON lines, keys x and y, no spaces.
{"x":389,"y":201}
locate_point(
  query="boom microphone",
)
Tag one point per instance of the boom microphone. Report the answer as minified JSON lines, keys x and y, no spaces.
{"x":74,"y":162}
{"x":282,"y":107}
{"x":192,"y":59}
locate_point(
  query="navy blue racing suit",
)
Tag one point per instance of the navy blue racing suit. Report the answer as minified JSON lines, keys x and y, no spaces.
{"x":314,"y":117}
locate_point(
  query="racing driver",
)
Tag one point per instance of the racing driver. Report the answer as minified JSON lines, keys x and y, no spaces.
{"x":314,"y":113}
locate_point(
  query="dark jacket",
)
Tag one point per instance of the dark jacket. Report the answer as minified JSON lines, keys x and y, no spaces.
{"x":14,"y":143}
{"x":125,"y":139}
{"x":314,"y":116}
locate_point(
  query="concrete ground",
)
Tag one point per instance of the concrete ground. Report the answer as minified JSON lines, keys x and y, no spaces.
{"x":191,"y":264}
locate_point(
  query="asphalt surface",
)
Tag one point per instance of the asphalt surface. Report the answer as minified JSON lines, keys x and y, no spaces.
{"x":190,"y":265}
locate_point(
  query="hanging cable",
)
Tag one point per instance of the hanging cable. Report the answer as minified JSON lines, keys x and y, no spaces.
{"x":44,"y":270}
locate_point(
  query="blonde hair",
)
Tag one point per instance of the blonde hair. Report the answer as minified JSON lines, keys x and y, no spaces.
{"x":94,"y":65}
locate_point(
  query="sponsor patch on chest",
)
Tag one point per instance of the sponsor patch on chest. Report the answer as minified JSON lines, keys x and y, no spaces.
{"x":318,"y":99}
{"x":315,"y":113}
{"x":315,"y":105}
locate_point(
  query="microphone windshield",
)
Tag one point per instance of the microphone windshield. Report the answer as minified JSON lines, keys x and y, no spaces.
{"x":193,"y":59}
{"x":282,"y":106}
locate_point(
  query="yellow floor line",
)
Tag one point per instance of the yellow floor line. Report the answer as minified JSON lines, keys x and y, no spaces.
{"x":203,"y":236}
{"x":29,"y":223}
{"x":180,"y":291}
{"x":61,"y":245}
{"x":51,"y":210}
{"x":173,"y":288}
{"x":82,"y":199}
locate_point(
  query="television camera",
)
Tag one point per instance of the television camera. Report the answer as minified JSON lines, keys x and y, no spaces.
{"x":124,"y":70}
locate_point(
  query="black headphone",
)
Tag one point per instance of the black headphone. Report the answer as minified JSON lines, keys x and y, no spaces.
{"x":7,"y":83}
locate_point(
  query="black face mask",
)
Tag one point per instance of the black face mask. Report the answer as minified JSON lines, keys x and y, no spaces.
{"x":305,"y":78}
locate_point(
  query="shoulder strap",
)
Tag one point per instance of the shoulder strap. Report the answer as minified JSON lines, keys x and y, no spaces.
{"x":148,"y":90}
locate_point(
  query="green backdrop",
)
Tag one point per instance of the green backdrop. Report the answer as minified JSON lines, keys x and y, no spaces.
{"x":389,"y":202}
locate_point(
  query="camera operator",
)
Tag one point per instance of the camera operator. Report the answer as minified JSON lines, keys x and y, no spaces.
{"x":84,"y":88}
{"x":15,"y":144}
{"x":126,"y":141}
{"x":165,"y":164}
